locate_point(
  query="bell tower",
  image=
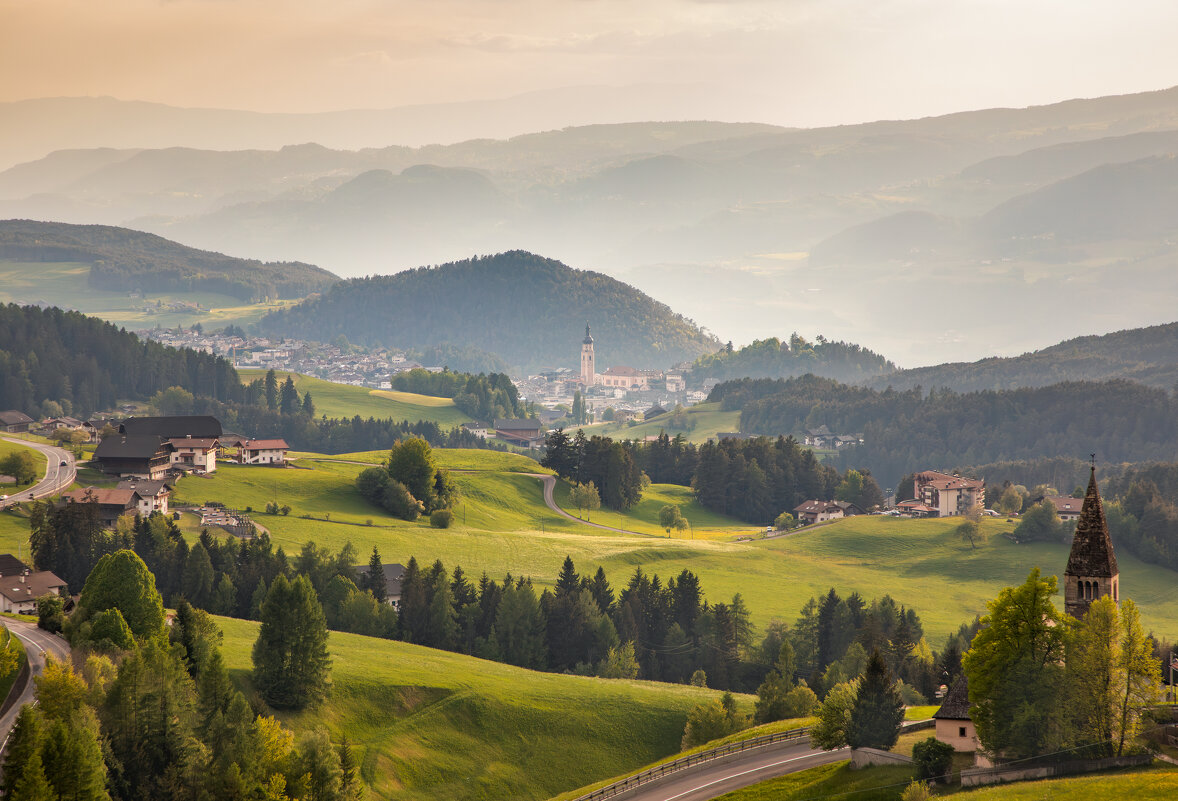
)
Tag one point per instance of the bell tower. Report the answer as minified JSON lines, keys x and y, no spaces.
{"x":1092,"y":567}
{"x":588,"y":369}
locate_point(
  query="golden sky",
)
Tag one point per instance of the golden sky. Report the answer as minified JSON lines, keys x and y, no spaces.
{"x":800,"y":62}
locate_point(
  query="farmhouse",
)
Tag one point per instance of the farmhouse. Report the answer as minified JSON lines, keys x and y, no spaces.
{"x":174,"y":427}
{"x":112,"y":503}
{"x":264,"y":451}
{"x":139,"y":455}
{"x":393,"y":573}
{"x":948,"y":494}
{"x":153,"y":495}
{"x":480,"y":430}
{"x":1067,"y":508}
{"x":818,"y":511}
{"x":526,"y":433}
{"x":14,"y":422}
{"x":198,"y":454}
{"x":20,"y":587}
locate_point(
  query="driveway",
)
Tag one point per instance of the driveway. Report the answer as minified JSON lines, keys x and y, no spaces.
{"x":57,"y":476}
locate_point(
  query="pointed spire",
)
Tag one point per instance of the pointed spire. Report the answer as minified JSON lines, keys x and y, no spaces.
{"x":1092,"y":548}
{"x":588,"y":338}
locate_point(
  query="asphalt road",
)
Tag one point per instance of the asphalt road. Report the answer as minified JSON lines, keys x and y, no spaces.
{"x":767,"y":763}
{"x":37,"y":644}
{"x":57,"y":476}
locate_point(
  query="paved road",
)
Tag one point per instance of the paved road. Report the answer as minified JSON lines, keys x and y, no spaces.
{"x":767,"y":763}
{"x":550,"y":501}
{"x":57,"y":476}
{"x":37,"y":643}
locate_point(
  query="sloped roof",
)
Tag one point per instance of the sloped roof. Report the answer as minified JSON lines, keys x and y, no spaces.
{"x":146,"y":489}
{"x":128,"y":446}
{"x":200,"y":443}
{"x":813,"y":507}
{"x":190,"y":425}
{"x":34,"y":586}
{"x":1092,"y":548}
{"x":104,"y":496}
{"x":266,"y":445}
{"x":14,"y":418}
{"x":11,"y":566}
{"x":956,"y":703}
{"x":517,"y":425}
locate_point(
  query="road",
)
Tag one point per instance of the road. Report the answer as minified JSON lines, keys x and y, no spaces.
{"x":550,"y":501}
{"x":37,"y":643}
{"x":767,"y":763}
{"x":57,"y":476}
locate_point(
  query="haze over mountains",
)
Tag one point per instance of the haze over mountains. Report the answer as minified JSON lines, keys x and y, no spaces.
{"x":931,"y":240}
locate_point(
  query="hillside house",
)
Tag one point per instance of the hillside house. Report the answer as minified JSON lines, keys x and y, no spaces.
{"x":947,"y":494}
{"x":198,"y":454}
{"x":953,"y":724}
{"x":480,"y":430}
{"x":112,"y":503}
{"x":818,"y":511}
{"x":14,"y":422}
{"x":1067,"y":508}
{"x":153,"y":495}
{"x":68,"y":423}
{"x":824,"y":439}
{"x":525,"y":433}
{"x":138,"y":455}
{"x":393,"y":573}
{"x":20,"y":586}
{"x":264,"y":451}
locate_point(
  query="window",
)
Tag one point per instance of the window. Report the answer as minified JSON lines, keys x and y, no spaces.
{"x":960,"y":731}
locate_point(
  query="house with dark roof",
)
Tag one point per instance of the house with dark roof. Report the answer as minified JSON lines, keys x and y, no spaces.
{"x":954,"y":726}
{"x":818,"y":511}
{"x":527,"y":433}
{"x":112,"y":503}
{"x":14,"y":422}
{"x":139,"y":455}
{"x":393,"y":574}
{"x":19,"y":592}
{"x":200,"y":426}
{"x":153,"y":495}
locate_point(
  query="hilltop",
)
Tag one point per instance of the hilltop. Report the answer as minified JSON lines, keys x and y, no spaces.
{"x":525,"y":308}
{"x":122,"y":260}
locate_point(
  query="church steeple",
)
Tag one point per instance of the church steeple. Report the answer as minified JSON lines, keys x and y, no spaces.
{"x":588,"y":360}
{"x":588,"y":339}
{"x":1092,"y":566}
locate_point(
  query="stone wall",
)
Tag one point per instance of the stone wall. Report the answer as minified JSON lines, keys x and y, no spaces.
{"x":998,"y":775}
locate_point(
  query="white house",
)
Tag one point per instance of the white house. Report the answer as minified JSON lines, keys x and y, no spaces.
{"x":194,"y":453}
{"x":264,"y":451}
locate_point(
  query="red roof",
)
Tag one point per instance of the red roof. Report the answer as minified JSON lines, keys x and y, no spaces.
{"x":267,"y":445}
{"x":103,"y":495}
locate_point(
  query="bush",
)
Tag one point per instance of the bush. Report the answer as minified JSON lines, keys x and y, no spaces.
{"x":933,"y":759}
{"x":441,"y":518}
{"x":50,"y":613}
{"x":784,"y":522}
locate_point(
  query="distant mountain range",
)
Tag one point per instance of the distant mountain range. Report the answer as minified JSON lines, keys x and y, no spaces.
{"x":529,"y":310}
{"x":122,"y":260}
{"x":991,"y":231}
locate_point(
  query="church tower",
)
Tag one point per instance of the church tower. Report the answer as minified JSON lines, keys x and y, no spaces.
{"x":588,"y":369}
{"x":1092,"y":567}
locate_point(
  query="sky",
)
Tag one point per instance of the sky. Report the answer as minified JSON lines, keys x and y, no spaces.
{"x":791,"y":62}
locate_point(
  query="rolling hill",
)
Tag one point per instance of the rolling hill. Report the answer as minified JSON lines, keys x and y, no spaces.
{"x":525,"y":308}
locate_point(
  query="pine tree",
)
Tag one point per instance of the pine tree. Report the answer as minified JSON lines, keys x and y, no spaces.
{"x":567,"y":581}
{"x":351,"y":788}
{"x":24,"y":743}
{"x":197,"y":582}
{"x":271,"y":385}
{"x":308,"y":406}
{"x":878,"y":710}
{"x":374,"y":580}
{"x":414,"y":607}
{"x":32,"y":785}
{"x":291,"y":664}
{"x":289,"y":397}
{"x":443,"y":621}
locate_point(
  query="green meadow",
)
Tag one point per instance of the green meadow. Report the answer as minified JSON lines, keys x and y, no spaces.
{"x":342,"y":400}
{"x":502,"y":525}
{"x":704,"y":420}
{"x":64,"y":284}
{"x":432,"y":724}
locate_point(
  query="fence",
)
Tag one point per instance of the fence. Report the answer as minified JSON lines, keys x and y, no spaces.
{"x":682,"y":763}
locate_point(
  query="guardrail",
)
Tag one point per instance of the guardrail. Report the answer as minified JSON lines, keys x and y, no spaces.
{"x":682,"y":763}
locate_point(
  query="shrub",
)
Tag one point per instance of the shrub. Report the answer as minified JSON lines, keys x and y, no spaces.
{"x":441,"y":518}
{"x":933,"y":759}
{"x":50,"y":613}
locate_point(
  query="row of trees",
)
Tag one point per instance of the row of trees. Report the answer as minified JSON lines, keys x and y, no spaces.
{"x":610,"y":466}
{"x":772,"y":358}
{"x":483,"y":397}
{"x":154,"y":714}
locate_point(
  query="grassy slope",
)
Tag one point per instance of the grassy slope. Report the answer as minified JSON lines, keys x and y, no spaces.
{"x":434,"y":724}
{"x":644,"y":517}
{"x":887,"y":784}
{"x":507,"y":528}
{"x":64,"y":284}
{"x":708,"y":420}
{"x":6,"y":448}
{"x":342,"y":400}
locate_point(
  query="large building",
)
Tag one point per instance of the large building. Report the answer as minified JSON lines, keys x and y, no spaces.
{"x":946,"y":495}
{"x":1092,"y":566}
{"x":588,"y":366}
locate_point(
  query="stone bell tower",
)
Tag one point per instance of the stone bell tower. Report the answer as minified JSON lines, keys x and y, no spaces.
{"x":588,"y":368}
{"x":1092,"y":567}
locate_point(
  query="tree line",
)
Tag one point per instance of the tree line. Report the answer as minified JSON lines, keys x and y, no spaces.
{"x":483,"y":397}
{"x":154,"y":714}
{"x":772,"y":358}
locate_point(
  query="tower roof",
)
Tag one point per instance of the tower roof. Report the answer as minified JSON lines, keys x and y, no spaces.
{"x":1092,"y":548}
{"x":588,"y":338}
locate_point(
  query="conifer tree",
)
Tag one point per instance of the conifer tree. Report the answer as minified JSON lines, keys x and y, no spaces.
{"x":291,"y":664}
{"x":413,"y":608}
{"x":878,"y":710}
{"x":32,"y":785}
{"x":443,"y":620}
{"x":374,"y":580}
{"x":28,"y":733}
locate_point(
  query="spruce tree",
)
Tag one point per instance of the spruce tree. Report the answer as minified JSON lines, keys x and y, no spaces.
{"x":374,"y":580}
{"x":33,"y":786}
{"x":413,"y":608}
{"x":878,"y":710}
{"x":291,"y":663}
{"x":443,"y":621}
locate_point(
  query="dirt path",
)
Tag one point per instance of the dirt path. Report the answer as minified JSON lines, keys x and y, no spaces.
{"x":550,"y":501}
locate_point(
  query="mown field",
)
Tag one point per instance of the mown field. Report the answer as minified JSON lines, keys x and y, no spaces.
{"x":704,"y":420}
{"x":64,"y":284}
{"x":342,"y":400}
{"x":501,"y":525}
{"x":432,"y":724}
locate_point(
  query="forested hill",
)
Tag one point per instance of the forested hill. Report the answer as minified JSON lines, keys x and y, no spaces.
{"x":122,"y":260}
{"x":909,"y":430}
{"x":85,"y":364}
{"x":1146,"y":355}
{"x":772,"y":358}
{"x":527,"y":309}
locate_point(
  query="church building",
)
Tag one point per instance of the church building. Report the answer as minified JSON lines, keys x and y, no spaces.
{"x":588,"y":368}
{"x":1092,"y":567}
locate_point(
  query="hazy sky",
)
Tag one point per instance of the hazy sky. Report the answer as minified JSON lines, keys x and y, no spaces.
{"x":801,"y":62}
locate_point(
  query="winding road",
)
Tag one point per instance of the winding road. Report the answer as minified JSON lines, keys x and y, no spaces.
{"x":549,"y":483}
{"x":37,"y":644}
{"x":60,"y":472}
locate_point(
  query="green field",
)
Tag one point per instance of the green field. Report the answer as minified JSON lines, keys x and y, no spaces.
{"x":6,"y":448}
{"x":343,"y":400}
{"x":433,"y":724}
{"x":887,"y":784}
{"x":501,"y":525}
{"x":64,"y":284}
{"x":704,"y":420}
{"x":644,"y":516}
